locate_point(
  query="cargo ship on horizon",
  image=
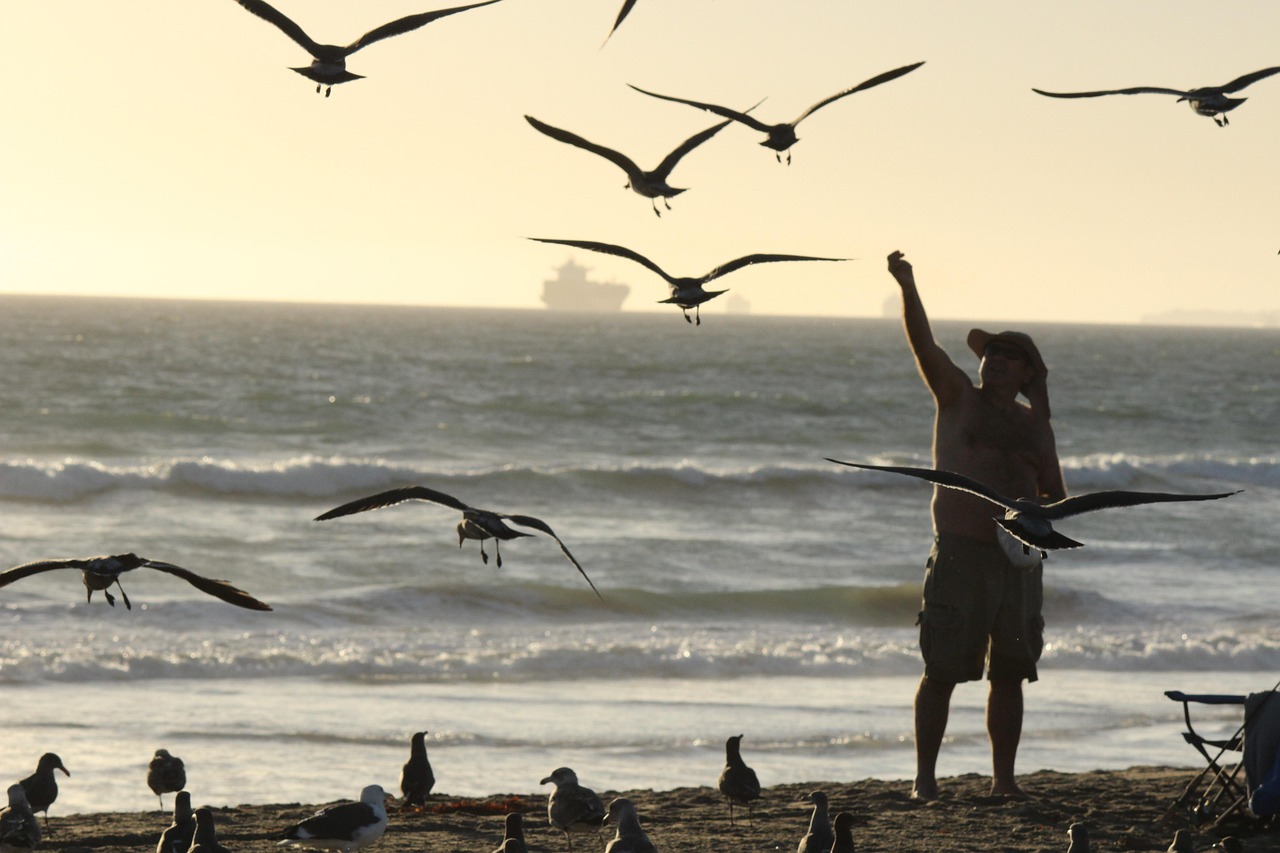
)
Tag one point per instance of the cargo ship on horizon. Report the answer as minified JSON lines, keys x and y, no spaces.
{"x":571,"y":290}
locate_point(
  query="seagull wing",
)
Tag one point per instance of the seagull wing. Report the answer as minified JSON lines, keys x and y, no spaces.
{"x":1254,"y":77}
{"x":26,"y":570}
{"x":1137,"y":90}
{"x":1106,"y":500}
{"x":406,"y":24}
{"x":949,"y":479}
{"x":216,"y":588}
{"x":728,"y":113}
{"x":610,"y":249}
{"x":618,"y":159}
{"x":622,"y":16}
{"x":725,"y":269}
{"x":865,"y":84}
{"x":391,"y":498}
{"x":539,"y":524}
{"x":669,"y":162}
{"x":269,"y":13}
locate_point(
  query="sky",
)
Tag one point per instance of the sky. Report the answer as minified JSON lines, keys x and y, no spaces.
{"x":165,"y":149}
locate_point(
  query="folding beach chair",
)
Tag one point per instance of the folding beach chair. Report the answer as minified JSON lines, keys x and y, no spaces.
{"x":1217,"y":793}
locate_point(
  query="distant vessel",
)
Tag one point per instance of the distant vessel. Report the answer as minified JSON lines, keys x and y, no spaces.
{"x":571,"y":290}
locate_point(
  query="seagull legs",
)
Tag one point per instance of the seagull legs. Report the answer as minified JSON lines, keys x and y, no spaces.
{"x":127,"y":605}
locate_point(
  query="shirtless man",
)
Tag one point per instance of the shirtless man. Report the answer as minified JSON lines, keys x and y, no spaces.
{"x":979,"y":608}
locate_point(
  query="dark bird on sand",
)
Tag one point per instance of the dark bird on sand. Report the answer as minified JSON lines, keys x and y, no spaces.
{"x":780,"y":137}
{"x":1078,"y":838}
{"x":650,"y":184}
{"x":179,"y":834}
{"x":686,"y":292}
{"x":1181,"y":842}
{"x":19,"y":829}
{"x":41,"y":787}
{"x":1211,"y":101}
{"x":328,"y":67}
{"x":737,"y":781}
{"x":205,"y":838}
{"x":344,"y":826}
{"x":166,"y":774}
{"x":572,"y":807}
{"x":416,"y":779}
{"x":629,"y":838}
{"x":820,"y":837}
{"x":513,"y":835}
{"x":100,"y":573}
{"x":843,"y":834}
{"x":480,"y":524}
{"x":1029,"y":522}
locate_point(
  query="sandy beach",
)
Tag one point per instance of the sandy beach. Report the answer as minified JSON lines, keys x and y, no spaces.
{"x":1124,"y":810}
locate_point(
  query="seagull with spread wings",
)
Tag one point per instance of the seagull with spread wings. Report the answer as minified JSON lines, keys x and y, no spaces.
{"x":1211,"y":101}
{"x":480,"y":524}
{"x":1029,"y":522}
{"x":328,"y":67}
{"x":687,"y":292}
{"x":780,"y":137}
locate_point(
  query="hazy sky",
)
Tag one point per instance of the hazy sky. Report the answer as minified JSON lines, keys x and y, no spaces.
{"x":164,"y":148}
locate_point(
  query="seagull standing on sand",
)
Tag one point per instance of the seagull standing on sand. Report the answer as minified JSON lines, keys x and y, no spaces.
{"x":820,"y":837}
{"x":205,"y":839}
{"x":843,"y":834}
{"x":513,"y":835}
{"x":1030,"y":522}
{"x":1078,"y":835}
{"x":1211,"y":101}
{"x":416,"y":779}
{"x":686,"y":292}
{"x":100,"y":573}
{"x":178,"y":836}
{"x":19,"y":829}
{"x":737,"y":781}
{"x":1181,"y":842}
{"x":166,"y":774}
{"x":328,"y":67}
{"x":630,"y":838}
{"x":41,"y":787}
{"x":572,"y":807}
{"x":650,"y":184}
{"x":346,"y":826}
{"x":480,"y":524}
{"x":780,"y":137}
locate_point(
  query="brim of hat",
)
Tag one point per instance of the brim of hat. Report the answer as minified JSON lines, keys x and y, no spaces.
{"x":979,"y":338}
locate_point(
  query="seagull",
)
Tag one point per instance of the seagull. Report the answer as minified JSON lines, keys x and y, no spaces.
{"x":416,"y":779}
{"x":328,"y":67}
{"x":476,"y":523}
{"x":1230,"y":844}
{"x":652,"y":184}
{"x":782,"y":136}
{"x":345,"y":826}
{"x":630,"y":838}
{"x":1182,"y":842}
{"x":1211,"y":101}
{"x":41,"y":787}
{"x":178,"y":837}
{"x":737,"y":781}
{"x":513,"y":835}
{"x":1029,"y":522}
{"x":1078,"y":836}
{"x":843,"y":834}
{"x":572,"y":807}
{"x":686,"y":292}
{"x":100,"y":573}
{"x":819,"y":838}
{"x":205,"y":838}
{"x":19,"y":829}
{"x":622,"y":16}
{"x":166,"y":774}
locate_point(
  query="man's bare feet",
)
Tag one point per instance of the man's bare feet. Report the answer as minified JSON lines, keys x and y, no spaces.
{"x":1008,"y":790}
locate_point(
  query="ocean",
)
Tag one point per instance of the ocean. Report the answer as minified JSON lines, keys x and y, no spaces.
{"x":748,"y":585}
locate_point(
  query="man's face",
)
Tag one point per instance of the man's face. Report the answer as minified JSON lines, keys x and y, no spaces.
{"x":1005,"y":362}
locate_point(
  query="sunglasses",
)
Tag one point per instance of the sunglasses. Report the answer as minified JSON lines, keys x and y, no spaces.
{"x":1006,"y":351}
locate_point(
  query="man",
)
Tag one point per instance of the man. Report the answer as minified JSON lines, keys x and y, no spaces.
{"x":979,"y":608}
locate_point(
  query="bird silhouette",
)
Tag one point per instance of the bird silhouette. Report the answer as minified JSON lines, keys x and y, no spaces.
{"x":205,"y":837}
{"x":513,"y":835}
{"x":417,"y":779}
{"x":650,"y":184}
{"x":737,"y":781}
{"x":41,"y":787}
{"x":166,"y":774}
{"x":843,"y":833}
{"x":622,"y":16}
{"x":1182,"y":842}
{"x":328,"y":67}
{"x":100,"y":573}
{"x":780,"y":137}
{"x":572,"y":807}
{"x":19,"y":829}
{"x":686,"y":292}
{"x":1029,"y":522}
{"x":178,"y":836}
{"x":820,"y":836}
{"x":629,"y":838}
{"x":1078,"y":838}
{"x":1211,"y":101}
{"x":344,"y":826}
{"x":476,"y":523}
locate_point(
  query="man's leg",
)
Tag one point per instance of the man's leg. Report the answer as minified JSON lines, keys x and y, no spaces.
{"x":1004,"y":727}
{"x":933,"y":702}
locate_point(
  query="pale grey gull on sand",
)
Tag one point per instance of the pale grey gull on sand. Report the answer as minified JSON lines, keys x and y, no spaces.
{"x":100,"y":573}
{"x":1030,"y":522}
{"x":572,"y":807}
{"x":417,"y":778}
{"x":179,"y":834}
{"x":344,"y":826}
{"x":629,"y":838}
{"x":19,"y":829}
{"x":1211,"y":101}
{"x":328,"y":66}
{"x":687,"y":291}
{"x":820,"y":836}
{"x":737,"y":781}
{"x":480,"y":524}
{"x":41,"y":787}
{"x":166,"y":774}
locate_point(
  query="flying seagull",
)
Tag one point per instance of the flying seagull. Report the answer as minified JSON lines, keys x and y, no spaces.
{"x":100,"y":573}
{"x":782,"y":136}
{"x":622,"y":16}
{"x":1029,"y":522}
{"x":1211,"y":101}
{"x":476,"y":523}
{"x":686,"y":292}
{"x":328,"y":67}
{"x":651,"y":184}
